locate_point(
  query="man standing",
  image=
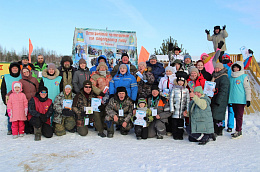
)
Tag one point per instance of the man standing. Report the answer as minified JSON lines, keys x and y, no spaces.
{"x":66,"y":71}
{"x":39,"y":66}
{"x":219,"y":35}
{"x":157,"y":68}
{"x":6,"y":86}
{"x":124,"y":60}
{"x":25,"y":63}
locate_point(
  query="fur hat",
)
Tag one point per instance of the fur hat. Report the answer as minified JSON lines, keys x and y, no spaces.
{"x":198,"y":89}
{"x":153,"y":56}
{"x":187,"y":56}
{"x":217,"y":27}
{"x":51,"y":66}
{"x":121,"y":89}
{"x":87,"y":82}
{"x":155,"y":87}
{"x":82,"y":61}
{"x":181,"y":76}
{"x":66,"y":58}
{"x":102,"y":64}
{"x":194,"y":69}
{"x":170,"y":68}
{"x":124,"y":54}
{"x":219,"y":65}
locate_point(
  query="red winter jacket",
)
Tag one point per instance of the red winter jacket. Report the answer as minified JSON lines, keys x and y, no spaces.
{"x":200,"y":81}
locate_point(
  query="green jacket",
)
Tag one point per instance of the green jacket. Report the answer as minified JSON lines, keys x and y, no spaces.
{"x":200,"y":115}
{"x":35,"y":72}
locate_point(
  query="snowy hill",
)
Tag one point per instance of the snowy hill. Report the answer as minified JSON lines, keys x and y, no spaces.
{"x":124,"y":153}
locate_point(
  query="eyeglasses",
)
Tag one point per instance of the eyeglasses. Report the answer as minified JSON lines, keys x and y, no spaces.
{"x":87,"y":87}
{"x":43,"y":92}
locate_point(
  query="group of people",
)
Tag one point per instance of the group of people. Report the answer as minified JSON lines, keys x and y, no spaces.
{"x":155,"y":100}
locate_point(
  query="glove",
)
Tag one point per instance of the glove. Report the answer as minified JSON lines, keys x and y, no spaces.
{"x":250,"y":51}
{"x":247,"y":103}
{"x":43,"y":118}
{"x":102,"y":107}
{"x":102,"y":94}
{"x":111,"y":95}
{"x":170,"y":47}
{"x":224,"y":27}
{"x":229,"y":105}
{"x":207,"y":31}
{"x":220,"y":44}
{"x":134,"y":118}
{"x":145,"y":118}
{"x":67,"y":112}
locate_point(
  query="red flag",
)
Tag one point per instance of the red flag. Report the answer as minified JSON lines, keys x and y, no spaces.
{"x":30,"y":49}
{"x":143,"y":56}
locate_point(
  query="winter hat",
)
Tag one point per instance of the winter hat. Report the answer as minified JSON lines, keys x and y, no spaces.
{"x":24,"y":57}
{"x":14,"y":64}
{"x":198,"y":89}
{"x":226,"y":55}
{"x":68,"y":86}
{"x":177,"y":49}
{"x":153,"y":56}
{"x":101,"y":57}
{"x":142,"y":100}
{"x":51,"y":66}
{"x":17,"y":85}
{"x":194,"y":69}
{"x":170,"y":68}
{"x":203,"y":54}
{"x":155,"y":87}
{"x":102,"y":64}
{"x":121,"y":89}
{"x":82,"y":61}
{"x":124,"y":54}
{"x":42,"y":88}
{"x":217,"y":27}
{"x":66,"y":58}
{"x":187,"y":56}
{"x":142,"y":63}
{"x":122,"y":66}
{"x":219,"y":65}
{"x":181,"y":76}
{"x":87,"y":82}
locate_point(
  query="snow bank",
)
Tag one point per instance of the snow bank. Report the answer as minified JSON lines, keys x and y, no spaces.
{"x":124,"y":153}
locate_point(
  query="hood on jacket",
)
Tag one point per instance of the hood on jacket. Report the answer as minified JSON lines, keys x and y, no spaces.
{"x":64,"y":59}
{"x":102,"y":57}
{"x":240,"y":65}
{"x":46,"y":74}
{"x":141,"y":100}
{"x":21,"y":89}
{"x":38,"y":94}
{"x":26,"y":77}
{"x":14,"y":64}
{"x":127,"y":72}
{"x":175,"y":82}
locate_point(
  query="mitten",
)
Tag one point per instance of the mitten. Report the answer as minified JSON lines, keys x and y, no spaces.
{"x":102,"y":94}
{"x":170,"y":47}
{"x":134,"y":118}
{"x":101,"y":107}
{"x":67,"y":112}
{"x":220,"y":44}
{"x":83,"y":114}
{"x":247,"y":103}
{"x":224,"y":27}
{"x":207,"y":31}
{"x":250,"y":51}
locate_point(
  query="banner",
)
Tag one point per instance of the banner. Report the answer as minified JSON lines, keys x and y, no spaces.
{"x":4,"y":69}
{"x":91,"y":43}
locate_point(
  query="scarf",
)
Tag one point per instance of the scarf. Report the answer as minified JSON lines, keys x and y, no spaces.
{"x":219,"y":74}
{"x":103,"y":73}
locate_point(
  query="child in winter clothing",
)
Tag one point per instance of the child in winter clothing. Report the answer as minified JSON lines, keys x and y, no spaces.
{"x":166,"y":83}
{"x":141,"y":131}
{"x":239,"y":94}
{"x":17,"y":108}
{"x":179,"y":102}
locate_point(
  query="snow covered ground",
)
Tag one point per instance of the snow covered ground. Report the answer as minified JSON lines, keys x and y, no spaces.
{"x":124,"y":153}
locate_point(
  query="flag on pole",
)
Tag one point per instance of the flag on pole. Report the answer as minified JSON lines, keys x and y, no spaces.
{"x":30,"y":49}
{"x":143,"y":56}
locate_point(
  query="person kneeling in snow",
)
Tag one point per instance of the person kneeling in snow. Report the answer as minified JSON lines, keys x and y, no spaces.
{"x":119,"y":111}
{"x":201,"y":121}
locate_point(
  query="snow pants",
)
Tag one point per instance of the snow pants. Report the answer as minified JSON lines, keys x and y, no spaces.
{"x":197,"y":137}
{"x":157,"y":127}
{"x":46,"y":129}
{"x":141,"y":131}
{"x":17,"y":127}
{"x":177,"y":127}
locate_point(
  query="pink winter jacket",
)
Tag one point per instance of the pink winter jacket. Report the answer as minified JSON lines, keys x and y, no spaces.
{"x":17,"y":105}
{"x":208,"y":63}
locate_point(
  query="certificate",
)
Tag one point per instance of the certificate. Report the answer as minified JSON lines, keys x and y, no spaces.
{"x":67,"y":104}
{"x":208,"y":88}
{"x":140,"y":114}
{"x":95,"y":102}
{"x":88,"y":110}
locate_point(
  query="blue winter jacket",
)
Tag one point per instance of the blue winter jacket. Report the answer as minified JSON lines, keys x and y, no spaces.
{"x":127,"y":80}
{"x":157,"y":70}
{"x":94,"y":68}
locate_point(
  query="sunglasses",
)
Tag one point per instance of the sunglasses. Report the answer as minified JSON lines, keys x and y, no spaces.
{"x":87,"y":87}
{"x":43,"y":92}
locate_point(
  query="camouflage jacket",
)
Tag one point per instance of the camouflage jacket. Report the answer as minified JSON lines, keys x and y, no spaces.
{"x":144,"y":88}
{"x":113,"y":107}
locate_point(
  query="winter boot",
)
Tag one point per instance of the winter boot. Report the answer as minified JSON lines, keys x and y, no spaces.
{"x":159,"y":136}
{"x":229,"y":130}
{"x":9,"y":132}
{"x":213,"y":136}
{"x":37,"y":134}
{"x":101,"y":134}
{"x":15,"y":136}
{"x":236,"y":135}
{"x":110,"y":135}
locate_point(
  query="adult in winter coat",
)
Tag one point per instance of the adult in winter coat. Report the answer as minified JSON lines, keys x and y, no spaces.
{"x":66,"y":71}
{"x":239,"y":94}
{"x":178,"y":65}
{"x":179,"y":105}
{"x":101,"y":58}
{"x":201,"y":122}
{"x":145,"y":80}
{"x":219,"y":35}
{"x":220,"y":99}
{"x":64,"y":117}
{"x":196,"y":78}
{"x":202,"y":71}
{"x":123,"y":78}
{"x":81,"y":75}
{"x":124,"y":60}
{"x":51,"y":80}
{"x":119,"y":111}
{"x":82,"y":100}
{"x":187,"y":65}
{"x":39,"y":66}
{"x":41,"y":108}
{"x":6,"y":87}
{"x":161,"y":110}
{"x":157,"y":68}
{"x":17,"y":107}
{"x":24,"y":62}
